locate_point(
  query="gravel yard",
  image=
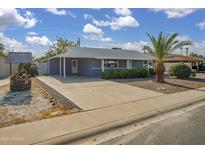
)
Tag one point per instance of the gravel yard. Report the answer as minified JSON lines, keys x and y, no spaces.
{"x":27,"y":106}
{"x":171,"y":85}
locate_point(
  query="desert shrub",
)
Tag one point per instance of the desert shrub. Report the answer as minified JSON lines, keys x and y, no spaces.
{"x":180,"y":70}
{"x":31,"y":69}
{"x":193,"y":73}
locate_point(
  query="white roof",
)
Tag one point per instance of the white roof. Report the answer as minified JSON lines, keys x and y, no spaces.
{"x":100,"y":53}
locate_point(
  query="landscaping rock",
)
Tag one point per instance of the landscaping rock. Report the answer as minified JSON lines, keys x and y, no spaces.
{"x":20,"y":82}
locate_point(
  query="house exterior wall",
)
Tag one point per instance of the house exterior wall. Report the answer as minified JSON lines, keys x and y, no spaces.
{"x":122,"y":64}
{"x":42,"y":68}
{"x":5,"y":68}
{"x":88,"y":66}
{"x":167,"y":65}
{"x":137,"y":63}
{"x":54,"y":66}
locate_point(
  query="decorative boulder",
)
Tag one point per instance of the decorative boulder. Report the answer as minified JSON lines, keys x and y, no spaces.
{"x":20,"y":81}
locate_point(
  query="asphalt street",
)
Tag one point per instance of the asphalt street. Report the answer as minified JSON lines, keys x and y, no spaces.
{"x":185,"y":129}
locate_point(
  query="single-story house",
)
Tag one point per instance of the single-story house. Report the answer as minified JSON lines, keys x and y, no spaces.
{"x":5,"y":67}
{"x":192,"y":62}
{"x":92,"y":61}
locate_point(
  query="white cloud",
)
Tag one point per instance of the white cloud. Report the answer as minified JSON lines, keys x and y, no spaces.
{"x":100,"y":38}
{"x":88,"y":16}
{"x":60,"y":12}
{"x":199,"y":47}
{"x":183,"y":38}
{"x":123,"y":12}
{"x":12,"y":17}
{"x":201,"y":25}
{"x":107,"y":16}
{"x":32,"y":33}
{"x":10,"y":43}
{"x":37,"y":40}
{"x":56,"y":11}
{"x":106,"y":39}
{"x":175,"y":13}
{"x":134,"y":45}
{"x":91,"y":29}
{"x":71,"y":14}
{"x":118,"y":23}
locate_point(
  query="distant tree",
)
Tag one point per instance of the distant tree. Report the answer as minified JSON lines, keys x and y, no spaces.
{"x":2,"y":48}
{"x":57,"y":48}
{"x":193,"y":54}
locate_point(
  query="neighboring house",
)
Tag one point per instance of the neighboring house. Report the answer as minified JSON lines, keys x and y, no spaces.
{"x":193,"y":63}
{"x":92,"y":61}
{"x":5,"y":68}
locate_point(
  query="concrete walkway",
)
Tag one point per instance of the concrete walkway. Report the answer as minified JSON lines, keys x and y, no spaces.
{"x":67,"y":128}
{"x":90,"y":94}
{"x":4,"y":82}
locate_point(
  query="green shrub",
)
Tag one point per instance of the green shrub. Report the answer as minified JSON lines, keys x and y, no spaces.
{"x":151,"y":71}
{"x":116,"y":74}
{"x":180,"y":70}
{"x":132,"y":73}
{"x":31,"y":69}
{"x":123,"y":74}
{"x":107,"y":74}
{"x":142,"y":72}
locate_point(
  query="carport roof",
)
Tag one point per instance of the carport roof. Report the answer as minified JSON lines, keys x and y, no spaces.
{"x":19,"y":57}
{"x":100,"y":53}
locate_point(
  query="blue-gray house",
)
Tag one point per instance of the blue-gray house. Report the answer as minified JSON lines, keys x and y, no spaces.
{"x":92,"y":61}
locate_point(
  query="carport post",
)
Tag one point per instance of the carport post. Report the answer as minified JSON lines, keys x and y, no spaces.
{"x":60,"y":66}
{"x":64,"y":75}
{"x":48,"y":66}
{"x":102,"y":65}
{"x":128,"y":64}
{"x":148,"y":65}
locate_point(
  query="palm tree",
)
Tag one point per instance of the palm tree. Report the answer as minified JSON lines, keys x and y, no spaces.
{"x":162,"y":46}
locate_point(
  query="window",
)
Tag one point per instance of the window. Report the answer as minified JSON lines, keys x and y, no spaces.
{"x":108,"y":63}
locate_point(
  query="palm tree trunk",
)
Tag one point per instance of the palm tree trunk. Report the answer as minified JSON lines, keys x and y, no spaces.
{"x":159,"y":70}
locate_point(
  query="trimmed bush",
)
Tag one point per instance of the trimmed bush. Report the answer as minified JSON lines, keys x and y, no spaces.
{"x":107,"y":75}
{"x":123,"y":74}
{"x":142,"y":72}
{"x":132,"y":73}
{"x":151,"y":72}
{"x":180,"y":70}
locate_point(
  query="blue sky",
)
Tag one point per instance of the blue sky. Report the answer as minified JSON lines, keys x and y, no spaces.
{"x":36,"y":29}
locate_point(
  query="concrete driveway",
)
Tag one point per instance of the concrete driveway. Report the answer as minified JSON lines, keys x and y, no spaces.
{"x":91,"y":93}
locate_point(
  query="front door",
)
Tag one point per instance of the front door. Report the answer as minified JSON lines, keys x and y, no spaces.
{"x":74,"y":66}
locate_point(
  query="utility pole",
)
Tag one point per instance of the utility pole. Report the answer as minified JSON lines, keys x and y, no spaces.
{"x":181,"y":50}
{"x":78,"y":42}
{"x":187,"y":51}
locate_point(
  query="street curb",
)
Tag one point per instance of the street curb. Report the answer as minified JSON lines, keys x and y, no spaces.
{"x":72,"y":137}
